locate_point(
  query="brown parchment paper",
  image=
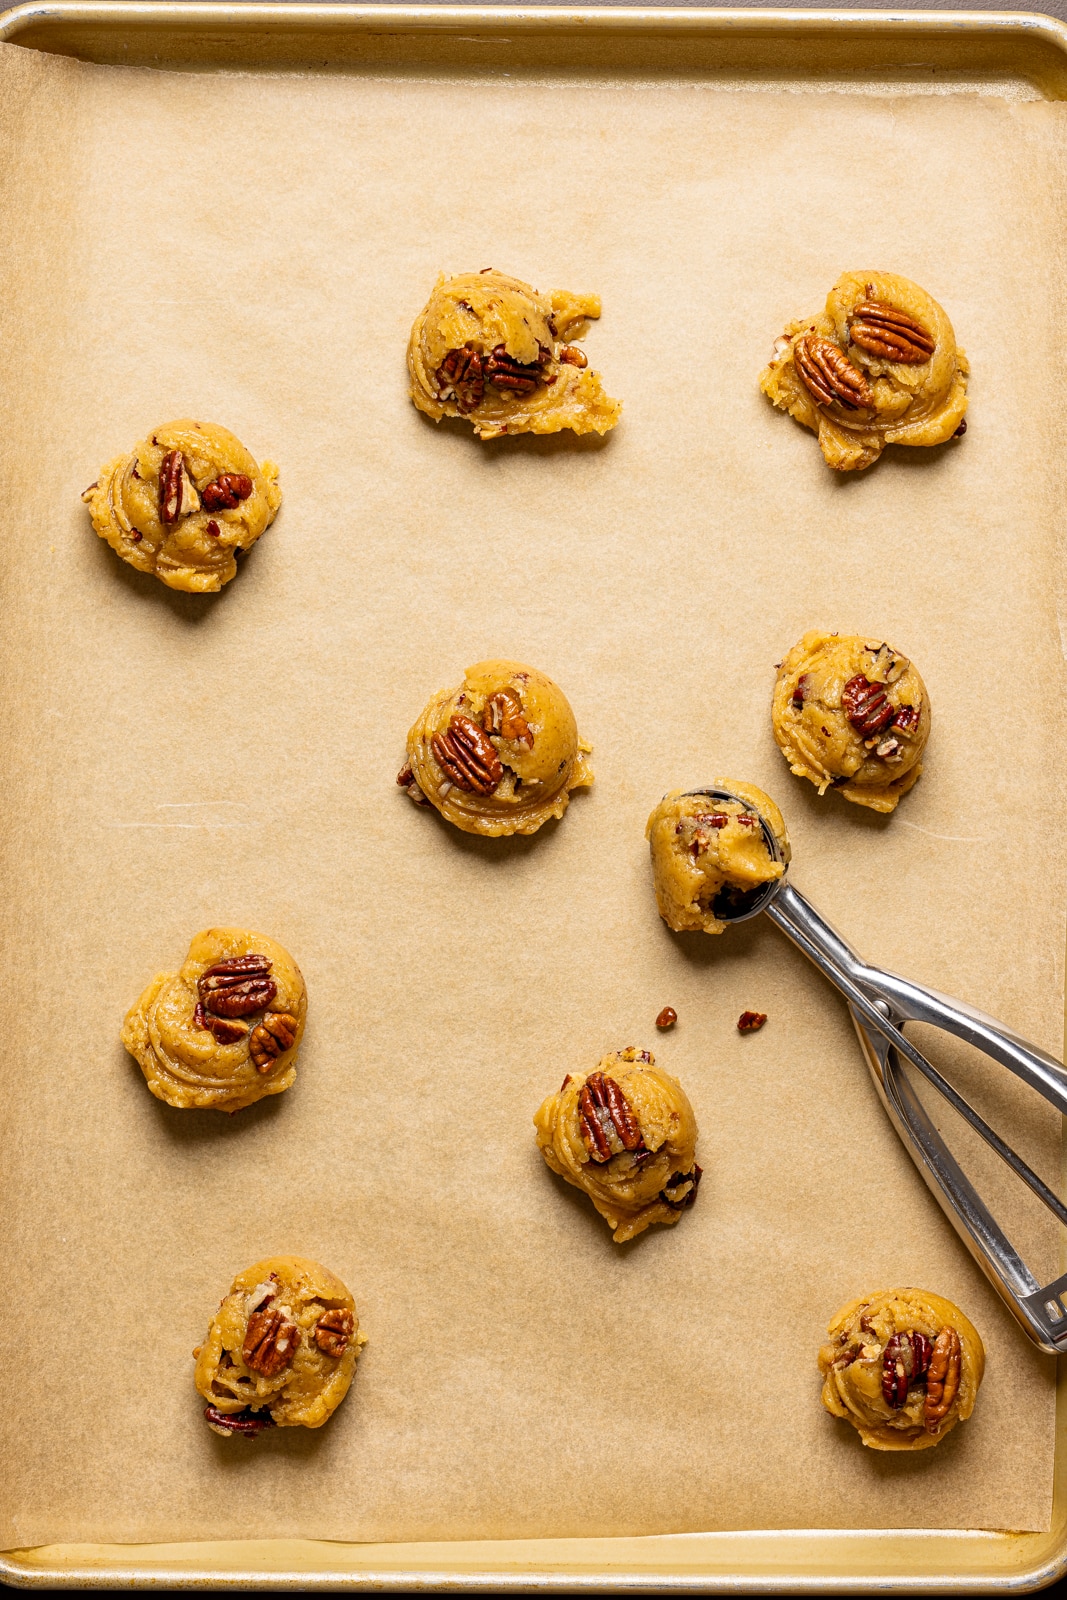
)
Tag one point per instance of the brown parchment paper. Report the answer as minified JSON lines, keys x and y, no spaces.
{"x":252,"y":250}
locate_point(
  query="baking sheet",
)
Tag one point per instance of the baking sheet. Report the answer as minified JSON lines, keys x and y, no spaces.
{"x":252,"y":250}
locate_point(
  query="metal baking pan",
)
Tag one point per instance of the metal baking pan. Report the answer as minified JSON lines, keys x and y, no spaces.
{"x":1016,"y":54}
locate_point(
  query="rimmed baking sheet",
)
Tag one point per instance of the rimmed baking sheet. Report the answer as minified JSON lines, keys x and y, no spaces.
{"x":252,"y":248}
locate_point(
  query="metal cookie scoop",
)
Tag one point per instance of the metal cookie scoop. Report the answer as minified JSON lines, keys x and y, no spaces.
{"x":881,"y":1003}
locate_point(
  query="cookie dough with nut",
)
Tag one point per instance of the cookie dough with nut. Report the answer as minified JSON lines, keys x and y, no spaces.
{"x":181,"y":504}
{"x":879,"y":366}
{"x":626,"y":1135}
{"x":499,"y":754}
{"x":853,"y":713}
{"x":224,"y":1030}
{"x":281,"y":1349}
{"x":903,"y":1367}
{"x":493,"y":350}
{"x":709,"y":856}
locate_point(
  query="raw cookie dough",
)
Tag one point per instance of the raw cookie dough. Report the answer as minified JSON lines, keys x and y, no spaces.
{"x":854,"y":713}
{"x":500,"y":754}
{"x":879,"y":366}
{"x":708,"y":855}
{"x":182,"y":502}
{"x":903,"y":1367}
{"x":493,"y":350}
{"x":626,"y":1134}
{"x":224,"y":1031}
{"x":281,"y":1349}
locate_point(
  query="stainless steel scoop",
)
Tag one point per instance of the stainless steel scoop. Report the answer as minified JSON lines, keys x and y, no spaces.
{"x":881,"y":1003}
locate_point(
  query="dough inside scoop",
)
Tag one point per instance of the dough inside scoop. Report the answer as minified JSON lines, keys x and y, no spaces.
{"x":625,"y":1135}
{"x":500,"y":754}
{"x":903,"y":1366}
{"x":880,"y":365}
{"x":709,"y":856}
{"x":493,"y":350}
{"x":281,"y":1349}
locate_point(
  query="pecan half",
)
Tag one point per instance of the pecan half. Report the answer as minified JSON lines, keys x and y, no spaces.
{"x":237,"y":987}
{"x":906,"y":721}
{"x":607,"y":1123}
{"x":333,"y":1331}
{"x":274,"y":1035}
{"x":503,"y":715}
{"x":751,"y":1021}
{"x":227,"y":491}
{"x":904,"y":1361}
{"x":517,"y":377}
{"x":466,"y":754}
{"x":177,"y":491}
{"x":942,"y":1379}
{"x":884,"y":331}
{"x":246,"y":1424}
{"x":225,"y":1031}
{"x":462,"y":375}
{"x":828,"y":374}
{"x":680,"y":1190}
{"x":866,"y":707}
{"x":667,"y":1017}
{"x":271,"y":1341}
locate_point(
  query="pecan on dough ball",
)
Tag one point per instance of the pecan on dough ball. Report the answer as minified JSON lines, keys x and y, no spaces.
{"x":626,"y":1135}
{"x":281,"y":1349}
{"x":854,"y":713}
{"x":493,"y":350}
{"x":709,"y":855}
{"x":498,"y":755}
{"x":879,"y":366}
{"x":903,"y":1366}
{"x":182,"y":502}
{"x":224,"y":1030}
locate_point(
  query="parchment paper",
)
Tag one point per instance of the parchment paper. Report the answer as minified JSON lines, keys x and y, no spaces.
{"x":252,"y":250}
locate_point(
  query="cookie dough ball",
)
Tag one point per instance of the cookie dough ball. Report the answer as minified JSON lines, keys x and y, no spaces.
{"x":223,"y":1031}
{"x":626,"y":1135}
{"x":182,"y":503}
{"x":281,"y":1349}
{"x":493,"y":350}
{"x":710,"y":856}
{"x":500,"y":754}
{"x":854,"y":713}
{"x":903,"y":1367}
{"x":879,"y":366}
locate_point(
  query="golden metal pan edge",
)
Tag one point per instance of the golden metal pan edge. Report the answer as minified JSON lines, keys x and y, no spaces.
{"x":1027,"y":46}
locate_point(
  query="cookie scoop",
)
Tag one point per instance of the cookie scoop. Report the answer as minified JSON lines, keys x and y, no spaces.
{"x":280,"y":1351}
{"x":626,"y":1136}
{"x":711,"y":856}
{"x":494,"y":351}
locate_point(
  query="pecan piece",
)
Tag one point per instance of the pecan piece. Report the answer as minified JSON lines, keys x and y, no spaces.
{"x":942,"y":1378}
{"x":274,"y":1035}
{"x":466,"y":754}
{"x":606,"y":1120}
{"x":680,"y":1190}
{"x":906,"y":721}
{"x":504,"y":372}
{"x":271,"y":1341}
{"x":177,"y":491}
{"x":333,"y":1331}
{"x":866,"y":706}
{"x":226,"y":491}
{"x":884,"y":331}
{"x":225,"y":1031}
{"x":237,"y":987}
{"x":573,"y":356}
{"x":667,"y":1017}
{"x":248,"y":1424}
{"x":828,"y":374}
{"x":751,"y":1021}
{"x":800,"y":689}
{"x":904,"y":1361}
{"x":461,"y":374}
{"x":503,"y":715}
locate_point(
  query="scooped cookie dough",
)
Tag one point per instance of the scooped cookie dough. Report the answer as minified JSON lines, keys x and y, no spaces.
{"x":500,"y":754}
{"x":223,"y":1031}
{"x":879,"y":366}
{"x":493,"y":350}
{"x":626,"y":1135}
{"x":854,"y":713}
{"x":708,"y":856}
{"x":903,"y":1367}
{"x":183,"y":502}
{"x":281,"y":1349}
